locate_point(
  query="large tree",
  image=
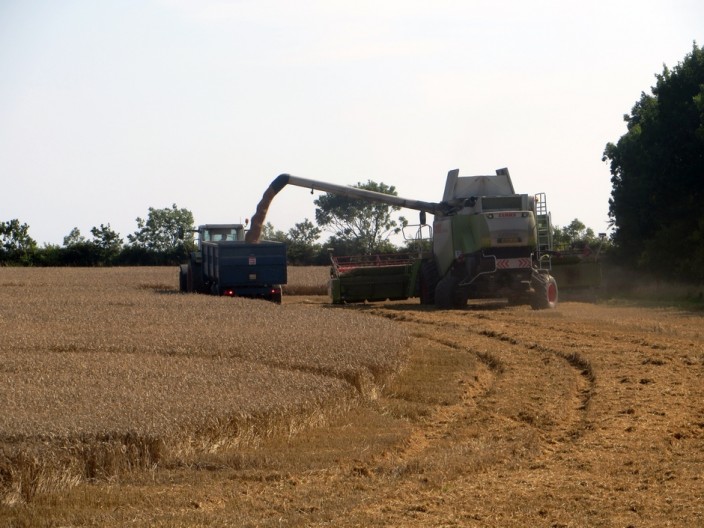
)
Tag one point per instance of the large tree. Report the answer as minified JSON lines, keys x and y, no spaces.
{"x":15,"y":242}
{"x":574,"y":235}
{"x":163,"y":229}
{"x":302,"y":242}
{"x":360,"y":225}
{"x":657,"y":172}
{"x":107,"y":241}
{"x":269,"y":232}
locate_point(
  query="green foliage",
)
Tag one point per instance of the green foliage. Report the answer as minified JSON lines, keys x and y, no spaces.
{"x":270,"y":233}
{"x":156,"y":243}
{"x":302,"y":242}
{"x":360,"y":226}
{"x":15,"y":243}
{"x":48,"y":255}
{"x":162,"y":231}
{"x":74,"y":238}
{"x":657,"y":178}
{"x":103,"y":250}
{"x":107,"y":241}
{"x":574,"y":235}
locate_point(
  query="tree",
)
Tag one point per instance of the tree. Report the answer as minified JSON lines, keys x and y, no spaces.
{"x":271,"y":233}
{"x":78,"y":251}
{"x":657,"y":170}
{"x":574,"y":235}
{"x":359,"y":225}
{"x":15,"y":243}
{"x":302,"y":242}
{"x":162,"y":231}
{"x":103,"y":249}
{"x":74,"y":238}
{"x":107,"y":242}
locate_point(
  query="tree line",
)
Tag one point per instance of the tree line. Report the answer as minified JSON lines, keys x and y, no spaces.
{"x":165,"y":237}
{"x":657,"y":176}
{"x":157,"y":241}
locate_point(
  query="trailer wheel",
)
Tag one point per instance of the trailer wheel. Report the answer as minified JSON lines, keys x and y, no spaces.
{"x":195,"y":278}
{"x":545,"y":296}
{"x":183,"y":278}
{"x":428,"y":281}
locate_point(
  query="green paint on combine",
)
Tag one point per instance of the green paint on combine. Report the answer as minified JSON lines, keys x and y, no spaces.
{"x":373,"y":278}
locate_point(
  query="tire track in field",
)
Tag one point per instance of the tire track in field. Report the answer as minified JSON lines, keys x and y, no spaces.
{"x":551,"y":388}
{"x":530,"y":408}
{"x":446,"y":417}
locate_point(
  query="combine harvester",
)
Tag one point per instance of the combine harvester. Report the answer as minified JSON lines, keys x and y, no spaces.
{"x":487,"y":242}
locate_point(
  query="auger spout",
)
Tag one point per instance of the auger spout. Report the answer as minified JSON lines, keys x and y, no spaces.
{"x":343,"y":190}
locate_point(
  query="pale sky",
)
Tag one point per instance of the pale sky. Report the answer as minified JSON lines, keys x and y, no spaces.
{"x":110,"y":107}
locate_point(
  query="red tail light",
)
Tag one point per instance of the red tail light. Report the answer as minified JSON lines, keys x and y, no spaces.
{"x":229,"y":292}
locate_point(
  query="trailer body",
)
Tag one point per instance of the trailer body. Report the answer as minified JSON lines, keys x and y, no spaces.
{"x":225,"y":264}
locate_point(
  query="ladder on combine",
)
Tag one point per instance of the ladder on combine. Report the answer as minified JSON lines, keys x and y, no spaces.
{"x":542,"y":219}
{"x":544,"y":231}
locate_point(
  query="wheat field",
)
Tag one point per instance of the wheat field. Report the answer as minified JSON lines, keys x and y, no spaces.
{"x":307,"y":280}
{"x":104,"y":371}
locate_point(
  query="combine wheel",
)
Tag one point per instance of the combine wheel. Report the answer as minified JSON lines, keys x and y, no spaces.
{"x":428,"y":282}
{"x":446,"y":292}
{"x":545,"y":295}
{"x":461,"y":297}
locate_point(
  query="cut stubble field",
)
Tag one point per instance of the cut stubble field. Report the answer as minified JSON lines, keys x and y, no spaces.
{"x":126,"y":403}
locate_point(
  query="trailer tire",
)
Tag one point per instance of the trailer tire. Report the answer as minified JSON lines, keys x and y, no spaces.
{"x":428,"y":282}
{"x":546,"y":293}
{"x":195,"y":278}
{"x":183,"y":278}
{"x":277,"y":297}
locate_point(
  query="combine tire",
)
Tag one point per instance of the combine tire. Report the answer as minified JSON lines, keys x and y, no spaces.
{"x":448,"y":293}
{"x":461,"y":297}
{"x":545,"y":295}
{"x":428,"y":282}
